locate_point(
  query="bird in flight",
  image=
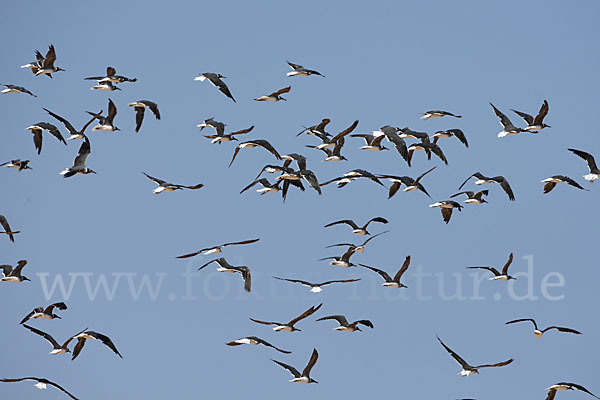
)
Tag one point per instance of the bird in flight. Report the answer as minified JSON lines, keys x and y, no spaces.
{"x":42,"y":383}
{"x":45,"y":313}
{"x":75,"y":134}
{"x":224,"y":266}
{"x":303,"y":377}
{"x":468,"y":369}
{"x":535,"y":124}
{"x":15,"y":89}
{"x":552,"y":181}
{"x":539,"y":332}
{"x":256,"y":341}
{"x":446,"y":207}
{"x":57,"y":347}
{"x":79,"y":166}
{"x":484,"y":180}
{"x":344,"y":325}
{"x":37,"y":130}
{"x":359,"y":230}
{"x":594,"y":171}
{"x":316,"y":287}
{"x":289,"y":326}
{"x":438,"y":114}
{"x":169,"y":187}
{"x":499,"y":276}
{"x":216,"y":81}
{"x":217,"y":249}
{"x":19,"y":165}
{"x":44,"y":65}
{"x":13,"y":275}
{"x":389,"y":281}
{"x":275,"y":96}
{"x":7,"y":229}
{"x":507,"y":125}
{"x":566,"y":386}
{"x":140,"y":110}
{"x":85,"y":335}
{"x":299,"y":70}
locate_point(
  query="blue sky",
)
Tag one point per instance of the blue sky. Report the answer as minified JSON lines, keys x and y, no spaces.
{"x":385,"y":63}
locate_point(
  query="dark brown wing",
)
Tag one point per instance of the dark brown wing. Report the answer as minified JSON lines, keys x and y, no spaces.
{"x":539,"y":118}
{"x":514,"y":321}
{"x":446,"y":214}
{"x":281,"y":91}
{"x":491,"y":269}
{"x":344,"y":132}
{"x":500,"y":364}
{"x":505,"y":268}
{"x":311,"y":363}
{"x":458,"y":358}
{"x":305,"y":314}
{"x":241,"y":242}
{"x":242,"y":131}
{"x":402,"y":269}
{"x":139,"y":117}
{"x":383,"y":274}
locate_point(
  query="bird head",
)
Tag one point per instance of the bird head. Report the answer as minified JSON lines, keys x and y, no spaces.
{"x":546,"y":126}
{"x":510,"y":277}
{"x":116,"y":128}
{"x":358,"y":329}
{"x":281,"y":98}
{"x":24,"y":278}
{"x":312,"y":381}
{"x":90,"y":171}
{"x":56,"y":316}
{"x":59,"y":69}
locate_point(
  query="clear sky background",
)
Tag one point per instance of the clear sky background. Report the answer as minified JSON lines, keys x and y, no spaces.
{"x":385,"y":63}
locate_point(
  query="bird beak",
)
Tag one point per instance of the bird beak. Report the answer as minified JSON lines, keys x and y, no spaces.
{"x":92,"y":171}
{"x":313,"y":381}
{"x":56,"y":316}
{"x":283,"y":99}
{"x":117,"y":129}
{"x":26,"y":278}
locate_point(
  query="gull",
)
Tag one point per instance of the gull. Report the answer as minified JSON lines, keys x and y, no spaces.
{"x":446,"y":207}
{"x":222,"y":137}
{"x":410,"y":183}
{"x":484,"y":180}
{"x":392,"y":136}
{"x":217,"y":249}
{"x":497,"y":275}
{"x":373,"y":142}
{"x":107,"y":86}
{"x":255,"y":143}
{"x":216,"y":81}
{"x":275,"y":96}
{"x":293,"y":177}
{"x":551,"y":182}
{"x":359,"y":230}
{"x":44,"y":313}
{"x":594,"y":171}
{"x":44,"y":65}
{"x":15,"y":89}
{"x":106,"y":123}
{"x":359,"y":248}
{"x":472,"y":197}
{"x":212,"y":123}
{"x":267,"y":187}
{"x":538,"y":333}
{"x":224,"y":266}
{"x":169,"y":187}
{"x":79,"y":166}
{"x":13,"y":275}
{"x":566,"y":386}
{"x":140,"y":108}
{"x":289,"y":326}
{"x":534,"y":125}
{"x":37,"y":130}
{"x":42,"y":383}
{"x":75,"y":134}
{"x":57,"y":347}
{"x":429,"y":148}
{"x":332,"y":155}
{"x":303,"y":377}
{"x":407,"y":133}
{"x":299,"y":158}
{"x":332,"y":142}
{"x":351,"y":176}
{"x":17,"y":164}
{"x":438,"y":114}
{"x":344,"y":325}
{"x":509,"y":128}
{"x":460,"y":135}
{"x":469,"y":369}
{"x":389,"y":281}
{"x":316,"y":287}
{"x":316,"y":130}
{"x":111,"y":76}
{"x":256,"y":341}
{"x":299,"y":70}
{"x":7,"y":230}
{"x":85,"y":335}
{"x":342,"y":261}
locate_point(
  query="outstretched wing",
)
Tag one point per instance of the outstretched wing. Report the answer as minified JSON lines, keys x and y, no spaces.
{"x":505,"y":268}
{"x":458,"y":358}
{"x":293,"y":370}
{"x":402,"y":269}
{"x":500,"y":364}
{"x":383,"y":274}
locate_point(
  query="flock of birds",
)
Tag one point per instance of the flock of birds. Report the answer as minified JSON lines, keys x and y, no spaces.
{"x":331,"y":146}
